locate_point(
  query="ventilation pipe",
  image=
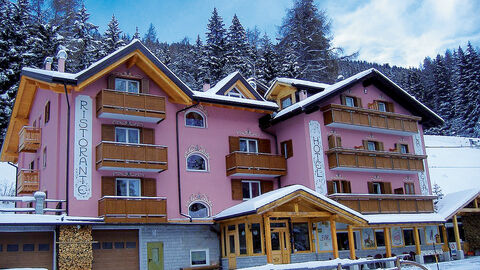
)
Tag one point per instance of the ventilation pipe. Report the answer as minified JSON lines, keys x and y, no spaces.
{"x":62,"y":57}
{"x":302,"y":95}
{"x":48,"y":63}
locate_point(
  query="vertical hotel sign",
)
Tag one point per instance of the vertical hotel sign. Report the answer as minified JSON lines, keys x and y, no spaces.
{"x":82,"y":181}
{"x":318,"y":162}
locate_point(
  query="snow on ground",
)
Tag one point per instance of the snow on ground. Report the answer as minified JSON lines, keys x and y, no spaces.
{"x":453,"y":162}
{"x":470,"y":263}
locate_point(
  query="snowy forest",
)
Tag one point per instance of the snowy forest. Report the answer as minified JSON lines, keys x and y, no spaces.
{"x":31,"y":30}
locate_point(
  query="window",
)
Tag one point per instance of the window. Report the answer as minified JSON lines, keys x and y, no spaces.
{"x":31,"y":166}
{"x":28,"y":247}
{"x":287,"y":149}
{"x":256,"y":237}
{"x":382,"y":106}
{"x":301,"y":236}
{"x":251,"y":189}
{"x":409,"y":188}
{"x":131,"y":245}
{"x":107,"y":245}
{"x":380,"y":237}
{"x":408,"y":237}
{"x":338,"y":186}
{"x":198,"y":210}
{"x":377,"y":188}
{"x":286,"y":102}
{"x":194,"y":119}
{"x":248,"y":145}
{"x":127,"y":135}
{"x":47,"y":112}
{"x":196,"y":162}
{"x":199,"y":257}
{"x":12,"y":247}
{"x":371,"y":146}
{"x":403,"y":148}
{"x":242,"y":238}
{"x":128,"y":187}
{"x":119,"y":245}
{"x":235,"y":93}
{"x":342,"y":241}
{"x":125,"y":85}
{"x":44,"y":157}
{"x":350,"y":101}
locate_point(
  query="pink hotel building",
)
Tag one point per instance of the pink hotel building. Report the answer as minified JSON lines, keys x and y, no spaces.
{"x":150,"y":174}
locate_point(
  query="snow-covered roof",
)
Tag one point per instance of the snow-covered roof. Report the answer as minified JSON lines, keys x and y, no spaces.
{"x":252,"y":205}
{"x":404,"y":218}
{"x":235,"y":100}
{"x":303,"y":83}
{"x":222,"y":82}
{"x":451,"y":203}
{"x":6,"y":219}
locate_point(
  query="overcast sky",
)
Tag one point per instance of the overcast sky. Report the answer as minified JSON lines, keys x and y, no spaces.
{"x":395,"y":32}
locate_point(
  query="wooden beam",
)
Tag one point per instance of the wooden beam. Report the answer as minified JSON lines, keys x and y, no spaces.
{"x":268,"y":239}
{"x":456,"y":232}
{"x":295,"y":206}
{"x":475,"y":203}
{"x":388,"y":242}
{"x":132,"y":61}
{"x":445,"y":238}
{"x":299,"y":214}
{"x":469,"y":210}
{"x":351,"y":242}
{"x":417,"y":241}
{"x":333,"y":231}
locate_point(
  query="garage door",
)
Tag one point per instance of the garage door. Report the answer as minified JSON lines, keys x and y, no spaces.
{"x":33,"y":249}
{"x":115,"y":249}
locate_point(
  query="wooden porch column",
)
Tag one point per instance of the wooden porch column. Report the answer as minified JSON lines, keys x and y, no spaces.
{"x":417,"y":240}
{"x":456,"y":232}
{"x":388,"y":242}
{"x":445,"y":238}
{"x":333,"y":231}
{"x":268,"y":238}
{"x":351,"y":242}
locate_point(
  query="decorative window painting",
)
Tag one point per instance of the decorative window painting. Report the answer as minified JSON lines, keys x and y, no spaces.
{"x":324,"y":236}
{"x":430,"y":232}
{"x":397,"y":236}
{"x":368,"y":239}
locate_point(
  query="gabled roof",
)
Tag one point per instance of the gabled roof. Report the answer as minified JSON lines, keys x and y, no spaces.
{"x":367,"y":77}
{"x":303,"y":84}
{"x":452,"y":203}
{"x":261,"y":88}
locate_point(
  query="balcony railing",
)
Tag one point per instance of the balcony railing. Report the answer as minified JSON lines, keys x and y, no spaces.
{"x":378,"y":161}
{"x":130,"y":106}
{"x":385,"y":203}
{"x":29,"y":139}
{"x":135,"y":157}
{"x":120,"y":209}
{"x":365,"y":119}
{"x":28,"y":182}
{"x":258,"y":164}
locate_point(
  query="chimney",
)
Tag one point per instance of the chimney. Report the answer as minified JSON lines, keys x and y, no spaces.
{"x":302,"y":95}
{"x":206,"y":85}
{"x":48,"y":63}
{"x":62,"y":56}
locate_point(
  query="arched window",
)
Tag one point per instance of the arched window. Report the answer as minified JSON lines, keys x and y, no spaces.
{"x":235,"y":93}
{"x":198,"y":210}
{"x":194,"y":119}
{"x":196,"y":162}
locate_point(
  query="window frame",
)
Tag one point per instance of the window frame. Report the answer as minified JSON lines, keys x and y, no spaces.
{"x":127,"y":81}
{"x":204,"y":118}
{"x":250,"y":188}
{"x":202,"y":203}
{"x":285,"y":145}
{"x":384,"y":109}
{"x":236,"y":93}
{"x":47,"y":112}
{"x":248,"y":145}
{"x":286,"y":98}
{"x":126,"y":135}
{"x":410,"y":190}
{"x":369,"y":143}
{"x":403,"y":146}
{"x":377,"y":186}
{"x":207,"y":257}
{"x":350,"y":98}
{"x":44,"y":157}
{"x":128,"y":184}
{"x":203,"y":157}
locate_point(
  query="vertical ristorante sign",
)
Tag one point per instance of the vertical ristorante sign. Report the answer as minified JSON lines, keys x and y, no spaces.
{"x":82,"y":181}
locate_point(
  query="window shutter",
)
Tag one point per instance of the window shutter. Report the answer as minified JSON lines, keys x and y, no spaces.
{"x":266,"y":186}
{"x":397,"y":147}
{"x":329,"y":187}
{"x":237,"y":189}
{"x":111,"y":82}
{"x":339,"y":141}
{"x":398,"y":191}
{"x":264,"y":146}
{"x":283,"y":145}
{"x":108,"y":133}
{"x":358,"y":102}
{"x":234,"y":143}
{"x":390,"y":107}
{"x":346,"y":187}
{"x":147,"y":136}
{"x":386,"y":188}
{"x":365,"y":144}
{"x":108,"y":186}
{"x":380,"y":146}
{"x":289,"y":148}
{"x":342,"y":100}
{"x":145,"y":84}
{"x":149,"y":187}
{"x":370,"y":188}
{"x":331,"y":141}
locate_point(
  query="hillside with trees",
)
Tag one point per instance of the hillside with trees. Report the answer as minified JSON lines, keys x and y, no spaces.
{"x":30,"y":31}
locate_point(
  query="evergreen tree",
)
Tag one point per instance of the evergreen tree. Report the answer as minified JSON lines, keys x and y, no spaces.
{"x":443,"y":92}
{"x":290,"y":66}
{"x":238,"y":54}
{"x":268,"y":62}
{"x":83,"y":48}
{"x":63,"y":14}
{"x":112,"y":40}
{"x":472,"y":89}
{"x":199,"y":72}
{"x":437,"y":191}
{"x":150,"y":39}
{"x":137,"y":34}
{"x":215,"y":47}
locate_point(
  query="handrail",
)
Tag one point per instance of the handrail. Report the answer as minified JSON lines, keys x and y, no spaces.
{"x":374,"y":153}
{"x":129,"y":93}
{"x":371,"y":111}
{"x":380,"y":196}
{"x":253,"y":153}
{"x":132,"y":144}
{"x":133,"y":197}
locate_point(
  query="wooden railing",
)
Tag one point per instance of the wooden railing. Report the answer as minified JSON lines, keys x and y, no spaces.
{"x":385,"y":203}
{"x":387,"y":122}
{"x":120,"y":209}
{"x":143,"y":157}
{"x":347,"y":159}
{"x":28,"y":182}
{"x":29,"y":139}
{"x":239,"y":163}
{"x":132,"y":104}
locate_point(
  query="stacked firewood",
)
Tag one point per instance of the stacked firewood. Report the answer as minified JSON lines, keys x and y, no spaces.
{"x":75,"y":248}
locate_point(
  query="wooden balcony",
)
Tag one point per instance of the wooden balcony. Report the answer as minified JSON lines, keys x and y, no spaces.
{"x":131,"y":157}
{"x":28,"y":182}
{"x":385,"y":203}
{"x":374,"y":161}
{"x":130,"y":106}
{"x":30,"y":139}
{"x":342,"y":116}
{"x":119,"y":209}
{"x":255,"y":164}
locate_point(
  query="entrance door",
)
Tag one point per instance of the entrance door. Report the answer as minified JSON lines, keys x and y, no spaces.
{"x":232,"y":259}
{"x":155,"y":255}
{"x":280,"y":242}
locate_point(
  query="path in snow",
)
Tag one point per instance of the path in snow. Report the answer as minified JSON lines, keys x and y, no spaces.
{"x":471,"y":263}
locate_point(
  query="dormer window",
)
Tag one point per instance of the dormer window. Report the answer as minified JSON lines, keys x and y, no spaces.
{"x":126,"y":85}
{"x":286,"y":102}
{"x":235,"y":93}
